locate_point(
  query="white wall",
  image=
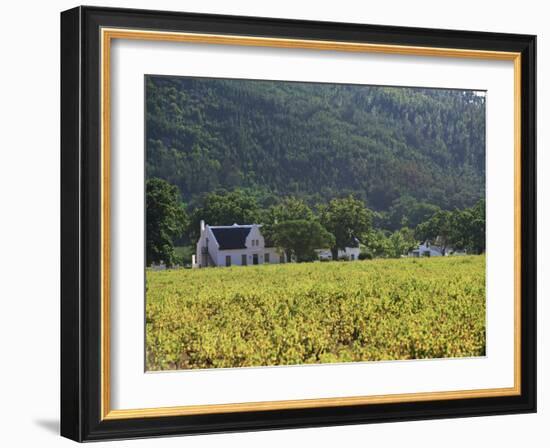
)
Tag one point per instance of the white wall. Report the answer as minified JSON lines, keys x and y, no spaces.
{"x":236,"y":256}
{"x":219,"y":256}
{"x":29,"y":181}
{"x":212,"y":245}
{"x":254,"y":239}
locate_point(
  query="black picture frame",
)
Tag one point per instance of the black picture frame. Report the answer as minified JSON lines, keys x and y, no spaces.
{"x":81,"y":224}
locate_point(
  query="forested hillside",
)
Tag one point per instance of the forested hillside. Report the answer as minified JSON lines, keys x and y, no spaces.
{"x":397,"y":149}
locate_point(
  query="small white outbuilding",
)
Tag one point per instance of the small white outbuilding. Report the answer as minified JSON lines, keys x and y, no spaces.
{"x":426,"y":249}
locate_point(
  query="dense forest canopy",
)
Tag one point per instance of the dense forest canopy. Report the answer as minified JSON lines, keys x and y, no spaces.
{"x":405,"y":152}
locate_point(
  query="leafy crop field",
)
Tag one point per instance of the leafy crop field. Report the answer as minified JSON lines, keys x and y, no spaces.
{"x":315,"y":313}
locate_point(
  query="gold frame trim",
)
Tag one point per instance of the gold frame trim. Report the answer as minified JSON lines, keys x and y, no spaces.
{"x":107,"y":35}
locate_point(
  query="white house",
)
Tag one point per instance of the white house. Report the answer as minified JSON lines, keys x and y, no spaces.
{"x":429,"y":250}
{"x":350,"y":252}
{"x":236,"y":245}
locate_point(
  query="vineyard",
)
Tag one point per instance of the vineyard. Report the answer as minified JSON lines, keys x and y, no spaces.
{"x":315,"y":313}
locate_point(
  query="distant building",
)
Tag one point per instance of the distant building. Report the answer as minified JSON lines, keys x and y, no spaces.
{"x":429,"y":250}
{"x":324,"y":254}
{"x":236,"y":245}
{"x":350,"y":252}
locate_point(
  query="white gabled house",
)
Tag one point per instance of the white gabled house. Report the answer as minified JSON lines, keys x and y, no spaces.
{"x":426,"y":249}
{"x":429,"y":250}
{"x":236,"y":245}
{"x":349,"y":253}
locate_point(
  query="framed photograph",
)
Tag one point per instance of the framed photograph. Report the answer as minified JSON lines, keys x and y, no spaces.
{"x":273,"y":223}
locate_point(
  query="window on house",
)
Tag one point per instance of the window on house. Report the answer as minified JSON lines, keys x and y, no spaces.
{"x":257,"y":242}
{"x":352,"y":257}
{"x":266,"y":258}
{"x":228,"y":260}
{"x":243,"y":259}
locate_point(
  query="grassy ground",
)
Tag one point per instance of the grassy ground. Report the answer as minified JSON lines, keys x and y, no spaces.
{"x":315,"y":312}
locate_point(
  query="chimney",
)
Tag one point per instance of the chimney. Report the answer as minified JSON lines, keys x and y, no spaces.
{"x":202,"y":226}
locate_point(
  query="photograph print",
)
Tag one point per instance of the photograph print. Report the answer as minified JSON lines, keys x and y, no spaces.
{"x":292,"y":223}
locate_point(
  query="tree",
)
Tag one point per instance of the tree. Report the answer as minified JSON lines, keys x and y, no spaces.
{"x":224,"y":208}
{"x":377,"y":243}
{"x":461,"y":229}
{"x":346,"y":219}
{"x":166,"y":220}
{"x":438,"y":227}
{"x":301,"y":237}
{"x":319,"y":141}
{"x":382,"y":244}
{"x":407,"y":211}
{"x":401,"y":242}
{"x":288,"y":209}
{"x":468,"y":228}
{"x":477,"y":238}
{"x":397,"y":245}
{"x":460,"y":223}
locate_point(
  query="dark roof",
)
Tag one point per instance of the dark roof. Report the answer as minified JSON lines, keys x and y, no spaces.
{"x":231,"y":237}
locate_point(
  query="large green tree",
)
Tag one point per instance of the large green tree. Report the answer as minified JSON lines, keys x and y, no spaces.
{"x":407,"y":211}
{"x":166,"y":220}
{"x":377,"y":243}
{"x":346,"y":218}
{"x":288,"y":209}
{"x":478,"y":223}
{"x":468,"y":228}
{"x":383,"y":244}
{"x":301,"y":237}
{"x":401,"y":242}
{"x":460,"y":229}
{"x":437,"y":228}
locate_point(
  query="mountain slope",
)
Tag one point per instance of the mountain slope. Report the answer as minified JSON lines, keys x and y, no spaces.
{"x":316,"y":141}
